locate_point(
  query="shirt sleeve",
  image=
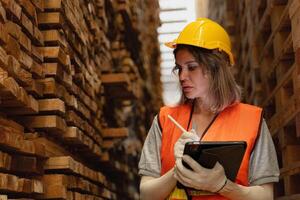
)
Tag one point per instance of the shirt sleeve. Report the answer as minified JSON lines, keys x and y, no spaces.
{"x":263,"y":165}
{"x":150,"y":161}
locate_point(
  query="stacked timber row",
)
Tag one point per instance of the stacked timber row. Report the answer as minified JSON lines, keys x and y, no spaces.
{"x":79,"y":84}
{"x":268,"y":64}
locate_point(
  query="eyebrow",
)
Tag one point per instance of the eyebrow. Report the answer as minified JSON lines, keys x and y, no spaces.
{"x":188,"y":62}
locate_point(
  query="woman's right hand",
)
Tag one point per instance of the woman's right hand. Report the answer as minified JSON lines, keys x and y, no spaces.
{"x":184,"y":138}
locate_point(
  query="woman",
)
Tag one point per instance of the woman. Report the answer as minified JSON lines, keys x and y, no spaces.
{"x":210,"y":111}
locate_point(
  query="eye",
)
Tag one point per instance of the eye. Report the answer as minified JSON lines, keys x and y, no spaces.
{"x":192,"y":67}
{"x":177,"y":69}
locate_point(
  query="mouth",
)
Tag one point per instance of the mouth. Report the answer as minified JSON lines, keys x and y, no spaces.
{"x":187,"y":88}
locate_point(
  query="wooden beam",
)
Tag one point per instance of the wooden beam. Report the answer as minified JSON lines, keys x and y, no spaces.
{"x":21,"y":75}
{"x":26,"y":165}
{"x":56,"y":54}
{"x":50,"y":20}
{"x":114,"y":132}
{"x":54,"y":38}
{"x":52,"y":148}
{"x":52,"y":5}
{"x":55,"y":192}
{"x":5,"y":161}
{"x":50,"y":123}
{"x":53,"y":106}
{"x":115,"y":78}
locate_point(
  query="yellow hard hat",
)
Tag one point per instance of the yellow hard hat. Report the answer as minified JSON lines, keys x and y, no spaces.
{"x":204,"y":33}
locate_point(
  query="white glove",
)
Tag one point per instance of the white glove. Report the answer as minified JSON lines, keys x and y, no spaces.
{"x":184,"y":138}
{"x":200,"y":178}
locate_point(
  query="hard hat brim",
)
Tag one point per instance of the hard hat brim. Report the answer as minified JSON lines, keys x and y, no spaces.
{"x":171,"y":44}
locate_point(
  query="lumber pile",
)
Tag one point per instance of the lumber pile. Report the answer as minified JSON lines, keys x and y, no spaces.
{"x":267,"y":39}
{"x":78,"y":80}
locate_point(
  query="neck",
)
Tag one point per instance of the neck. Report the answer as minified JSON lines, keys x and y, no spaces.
{"x":201,"y":108}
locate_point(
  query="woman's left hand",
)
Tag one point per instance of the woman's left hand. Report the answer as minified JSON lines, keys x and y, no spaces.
{"x":200,"y":178}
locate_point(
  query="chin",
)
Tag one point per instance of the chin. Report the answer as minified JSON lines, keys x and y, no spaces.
{"x":189,"y":96}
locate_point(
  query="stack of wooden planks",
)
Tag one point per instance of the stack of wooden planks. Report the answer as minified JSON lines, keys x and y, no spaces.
{"x":75,"y":79}
{"x":268,"y":65}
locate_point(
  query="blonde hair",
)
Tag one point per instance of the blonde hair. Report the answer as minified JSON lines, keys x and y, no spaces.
{"x":223,"y":89}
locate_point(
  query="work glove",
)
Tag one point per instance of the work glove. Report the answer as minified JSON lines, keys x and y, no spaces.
{"x":184,"y":138}
{"x":200,"y":178}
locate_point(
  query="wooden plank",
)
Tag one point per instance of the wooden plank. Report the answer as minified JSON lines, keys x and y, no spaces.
{"x":3,"y":34}
{"x":75,"y":183}
{"x":25,"y":43}
{"x":53,"y":70}
{"x":37,"y":70}
{"x":54,"y":38}
{"x":26,"y":165}
{"x":115,"y":78}
{"x":52,"y":106}
{"x":114,"y":132}
{"x":35,"y":89}
{"x":29,"y":147}
{"x":2,"y":14}
{"x":11,"y":126}
{"x":91,"y":104}
{"x":50,"y":123}
{"x":108,"y":143}
{"x":25,"y":60}
{"x":27,"y":25}
{"x":37,"y":54}
{"x":56,"y":54}
{"x":12,"y":9}
{"x":73,"y":119}
{"x":53,"y":89}
{"x":55,"y":192}
{"x":76,"y":137}
{"x":29,"y":9}
{"x":39,"y":5}
{"x":8,"y":182}
{"x":23,"y":77}
{"x":52,"y":5}
{"x":38,"y":186}
{"x":13,"y":47}
{"x":52,"y":148}
{"x":3,"y":58}
{"x":62,"y":163}
{"x":50,"y":20}
{"x":68,"y":164}
{"x":10,"y":141}
{"x":84,"y":144}
{"x":11,"y":93}
{"x":295,"y":16}
{"x":13,"y":29}
{"x":117,"y":85}
{"x":38,"y":38}
{"x":23,"y":104}
{"x":24,"y":185}
{"x":55,"y":179}
{"x":5,"y":161}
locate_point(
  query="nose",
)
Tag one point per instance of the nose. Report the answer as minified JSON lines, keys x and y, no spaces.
{"x":183,"y":75}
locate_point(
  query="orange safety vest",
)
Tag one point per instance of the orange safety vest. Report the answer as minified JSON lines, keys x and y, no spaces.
{"x":239,"y":122}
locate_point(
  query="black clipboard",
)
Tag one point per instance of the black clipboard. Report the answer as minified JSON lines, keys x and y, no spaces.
{"x":228,"y":153}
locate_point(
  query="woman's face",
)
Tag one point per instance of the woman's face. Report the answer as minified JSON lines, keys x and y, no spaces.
{"x":194,"y":81}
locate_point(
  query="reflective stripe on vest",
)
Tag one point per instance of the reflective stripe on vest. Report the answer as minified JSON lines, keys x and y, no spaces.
{"x":239,"y":122}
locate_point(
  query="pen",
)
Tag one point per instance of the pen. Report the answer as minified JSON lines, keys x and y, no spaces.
{"x":176,"y":123}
